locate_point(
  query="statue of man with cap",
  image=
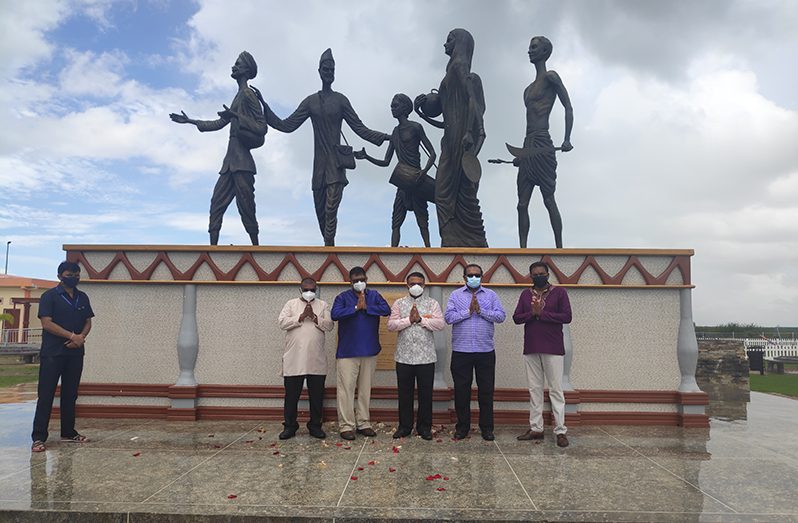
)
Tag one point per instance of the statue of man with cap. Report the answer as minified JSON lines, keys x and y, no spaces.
{"x":327,"y":110}
{"x":247,"y":131}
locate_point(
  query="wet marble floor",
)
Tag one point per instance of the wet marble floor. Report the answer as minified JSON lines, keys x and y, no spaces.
{"x":229,"y":471}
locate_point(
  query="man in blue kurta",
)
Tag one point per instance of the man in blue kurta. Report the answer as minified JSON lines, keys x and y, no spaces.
{"x":357,"y":312}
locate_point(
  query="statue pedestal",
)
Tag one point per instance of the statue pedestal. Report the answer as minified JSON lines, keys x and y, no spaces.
{"x":190,"y":332}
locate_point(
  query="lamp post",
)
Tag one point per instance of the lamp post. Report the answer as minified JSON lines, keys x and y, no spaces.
{"x":8,"y":244}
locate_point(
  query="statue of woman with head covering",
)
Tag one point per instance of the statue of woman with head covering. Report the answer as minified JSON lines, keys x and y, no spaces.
{"x":461,"y":102}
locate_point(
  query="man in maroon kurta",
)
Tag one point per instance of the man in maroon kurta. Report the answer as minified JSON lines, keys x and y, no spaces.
{"x":543,"y":309}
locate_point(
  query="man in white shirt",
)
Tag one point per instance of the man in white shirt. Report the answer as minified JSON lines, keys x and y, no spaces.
{"x":305,"y":320}
{"x":415,"y":317}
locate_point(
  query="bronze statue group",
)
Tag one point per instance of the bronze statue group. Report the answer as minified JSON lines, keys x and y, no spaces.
{"x":459,"y":101}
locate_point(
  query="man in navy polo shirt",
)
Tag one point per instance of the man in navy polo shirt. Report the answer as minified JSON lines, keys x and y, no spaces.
{"x":357,"y":312}
{"x":66,"y":315}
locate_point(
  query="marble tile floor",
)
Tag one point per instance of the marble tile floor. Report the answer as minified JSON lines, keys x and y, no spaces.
{"x":158,"y":471}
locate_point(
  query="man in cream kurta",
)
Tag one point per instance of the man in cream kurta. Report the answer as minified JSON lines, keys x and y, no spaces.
{"x":305,"y":320}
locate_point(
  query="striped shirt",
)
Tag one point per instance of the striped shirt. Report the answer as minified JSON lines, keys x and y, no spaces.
{"x":473,"y":332}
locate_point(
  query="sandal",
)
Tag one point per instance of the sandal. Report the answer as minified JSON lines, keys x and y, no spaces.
{"x":77,"y":438}
{"x":38,"y":446}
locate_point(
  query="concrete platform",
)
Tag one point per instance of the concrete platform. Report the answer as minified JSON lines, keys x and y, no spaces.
{"x":149,"y":470}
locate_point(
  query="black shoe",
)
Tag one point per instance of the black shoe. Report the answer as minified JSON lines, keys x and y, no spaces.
{"x":425,"y":435}
{"x":368,"y":432}
{"x":487,"y":435}
{"x":460,"y":435}
{"x":401,"y":433}
{"x":348,"y":434}
{"x":287,"y":434}
{"x":317,"y":432}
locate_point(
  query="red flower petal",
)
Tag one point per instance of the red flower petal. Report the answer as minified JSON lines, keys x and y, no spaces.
{"x":273,"y":444}
{"x":445,"y":478}
{"x":439,"y":440}
{"x":339,"y":444}
{"x":232,"y":496}
{"x":372,"y":462}
{"x":217,"y":446}
{"x":396,"y":450}
{"x":250,"y":441}
{"x":347,"y":447}
{"x":430,"y":478}
{"x":391,"y":469}
{"x":360,"y":468}
{"x":440,"y":489}
{"x":353,"y":478}
{"x":276,"y":453}
{"x":136,"y":454}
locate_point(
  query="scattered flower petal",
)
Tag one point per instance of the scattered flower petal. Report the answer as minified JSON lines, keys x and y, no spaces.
{"x":250,"y":441}
{"x":396,"y":450}
{"x":273,"y":444}
{"x":339,"y":444}
{"x":347,"y":447}
{"x":232,"y":496}
{"x":217,"y":446}
{"x":440,"y":489}
{"x":372,"y":462}
{"x":360,"y":468}
{"x":136,"y":454}
{"x":439,"y":440}
{"x":445,"y":478}
{"x":276,"y":453}
{"x":353,"y":478}
{"x":391,"y":469}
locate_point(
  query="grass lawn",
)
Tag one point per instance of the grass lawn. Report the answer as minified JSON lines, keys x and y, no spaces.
{"x":11,"y":375}
{"x":786,"y":384}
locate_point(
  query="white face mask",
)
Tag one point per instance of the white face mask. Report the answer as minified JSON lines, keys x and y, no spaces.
{"x":359,"y":286}
{"x":308,"y":295}
{"x":416,"y":290}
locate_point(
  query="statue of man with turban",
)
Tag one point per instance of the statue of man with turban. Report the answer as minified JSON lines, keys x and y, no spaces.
{"x":327,"y":110}
{"x":247,"y":130}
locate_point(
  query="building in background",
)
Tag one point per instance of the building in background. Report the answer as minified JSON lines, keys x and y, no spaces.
{"x":19,"y":297}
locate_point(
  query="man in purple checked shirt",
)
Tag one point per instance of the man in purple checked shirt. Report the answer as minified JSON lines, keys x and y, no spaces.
{"x":471,"y":311}
{"x":543,"y":310}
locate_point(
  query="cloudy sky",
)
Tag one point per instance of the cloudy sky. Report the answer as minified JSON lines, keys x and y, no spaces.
{"x":686,"y":122}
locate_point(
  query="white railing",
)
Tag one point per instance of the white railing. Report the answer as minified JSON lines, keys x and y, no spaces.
{"x":773,"y":347}
{"x":21,"y":337}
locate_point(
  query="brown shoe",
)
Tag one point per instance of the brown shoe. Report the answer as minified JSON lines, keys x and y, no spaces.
{"x":562,"y":440}
{"x":530,"y":435}
{"x":348,"y":434}
{"x":368,"y":432}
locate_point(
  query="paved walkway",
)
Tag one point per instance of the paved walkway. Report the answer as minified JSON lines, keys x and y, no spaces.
{"x":239,"y":471}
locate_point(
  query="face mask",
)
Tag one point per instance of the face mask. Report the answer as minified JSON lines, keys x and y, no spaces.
{"x":71,"y":281}
{"x":359,"y":286}
{"x":308,"y":295}
{"x":473,"y":281}
{"x":540,"y":280}
{"x":416,"y":290}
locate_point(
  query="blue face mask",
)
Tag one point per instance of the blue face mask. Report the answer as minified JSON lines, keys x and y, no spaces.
{"x":473,"y":282}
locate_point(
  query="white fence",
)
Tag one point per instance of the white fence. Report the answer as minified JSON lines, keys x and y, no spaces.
{"x":773,"y":347}
{"x":21,"y":337}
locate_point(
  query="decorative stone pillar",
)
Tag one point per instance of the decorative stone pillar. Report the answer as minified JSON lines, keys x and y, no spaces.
{"x":687,"y":345}
{"x":441,"y":342}
{"x":569,"y":357}
{"x":183,"y":394}
{"x":188,"y":339}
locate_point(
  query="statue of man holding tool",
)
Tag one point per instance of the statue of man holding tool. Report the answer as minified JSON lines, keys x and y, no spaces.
{"x":536,"y":161}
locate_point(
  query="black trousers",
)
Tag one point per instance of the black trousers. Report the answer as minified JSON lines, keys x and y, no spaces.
{"x":293,"y":388}
{"x":407,"y":376}
{"x":327,"y":200}
{"x":241,"y":186}
{"x":464,"y":366}
{"x":51,"y":368}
